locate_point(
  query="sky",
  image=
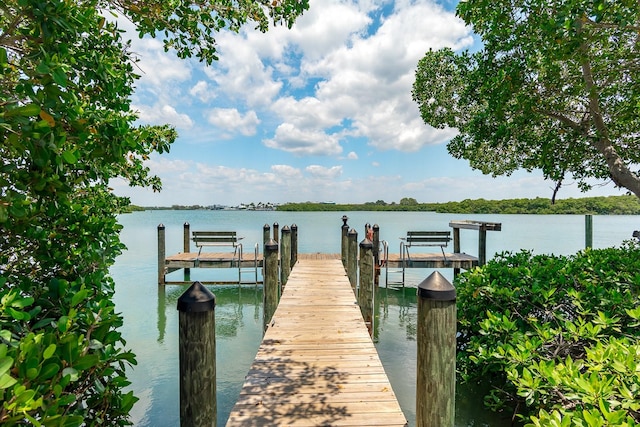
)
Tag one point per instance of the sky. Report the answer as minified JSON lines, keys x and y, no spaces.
{"x":319,"y":112}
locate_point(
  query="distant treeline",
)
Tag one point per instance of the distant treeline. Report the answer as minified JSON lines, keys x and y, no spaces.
{"x":612,"y":205}
{"x":135,"y":208}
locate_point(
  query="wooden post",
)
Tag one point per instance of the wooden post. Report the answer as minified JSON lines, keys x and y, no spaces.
{"x":294,"y":245}
{"x":270,"y":292}
{"x":161,"y":253}
{"x":588,"y":231}
{"x":376,"y":254}
{"x":276,"y":228}
{"x":345,"y":241}
{"x":436,"y":340}
{"x":456,"y":247}
{"x":482,"y":244}
{"x":197,"y":353}
{"x":365,"y":290}
{"x":187,"y":248}
{"x":352,"y":257}
{"x":285,"y":255}
{"x":162,"y":313}
{"x":266,"y":234}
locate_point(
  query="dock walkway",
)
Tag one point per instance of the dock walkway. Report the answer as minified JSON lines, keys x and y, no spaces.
{"x":317,"y":365}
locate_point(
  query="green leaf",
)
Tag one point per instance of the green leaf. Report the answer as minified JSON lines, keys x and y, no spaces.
{"x":49,"y":371}
{"x":17,"y":315}
{"x":78,"y":297}
{"x":29,"y":110}
{"x":69,"y":157}
{"x":71,"y":373}
{"x":86,"y":362}
{"x":7,"y":381}
{"x":60,"y":77}
{"x":22,"y":302}
{"x":6,"y":363}
{"x":49,"y":351}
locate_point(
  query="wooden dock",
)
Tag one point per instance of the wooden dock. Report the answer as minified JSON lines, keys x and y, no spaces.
{"x":317,"y":365}
{"x":432,"y":260}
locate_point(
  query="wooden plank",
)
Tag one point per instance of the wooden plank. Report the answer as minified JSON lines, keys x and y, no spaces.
{"x":317,"y":365}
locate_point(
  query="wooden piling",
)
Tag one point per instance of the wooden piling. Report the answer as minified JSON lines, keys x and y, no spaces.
{"x":456,"y":247}
{"x":345,"y":241}
{"x":294,"y":245}
{"x":187,"y":247}
{"x":352,"y":257}
{"x":285,"y":255}
{"x":482,"y":244}
{"x":376,"y":254}
{"x":270,"y":292}
{"x":436,"y":340}
{"x":197,"y":354}
{"x":276,"y":229}
{"x":588,"y":231}
{"x":266,"y":234}
{"x":365,"y":290}
{"x":161,"y":253}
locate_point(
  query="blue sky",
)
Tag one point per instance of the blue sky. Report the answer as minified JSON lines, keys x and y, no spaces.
{"x":320,"y":112}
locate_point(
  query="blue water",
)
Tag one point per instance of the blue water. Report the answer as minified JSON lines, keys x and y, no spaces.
{"x":150,"y":315}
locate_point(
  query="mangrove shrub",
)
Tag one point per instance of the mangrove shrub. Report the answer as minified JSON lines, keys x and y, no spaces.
{"x":556,"y":337}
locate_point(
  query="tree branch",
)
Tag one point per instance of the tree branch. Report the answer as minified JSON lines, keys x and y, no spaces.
{"x":620,"y":173}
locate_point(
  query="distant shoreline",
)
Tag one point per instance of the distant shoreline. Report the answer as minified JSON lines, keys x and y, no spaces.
{"x":611,"y":205}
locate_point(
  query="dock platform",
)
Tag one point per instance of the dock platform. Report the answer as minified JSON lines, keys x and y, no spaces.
{"x":317,"y":365}
{"x":432,"y":260}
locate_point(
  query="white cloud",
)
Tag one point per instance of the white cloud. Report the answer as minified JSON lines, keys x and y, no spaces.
{"x":323,"y":172}
{"x":352,"y":155}
{"x":163,"y":114}
{"x":304,"y":142}
{"x":241,"y":74}
{"x":162,"y":165}
{"x":363,"y":82}
{"x":286,"y":171}
{"x":159,"y":69}
{"x":231,"y":119}
{"x":202,"y":91}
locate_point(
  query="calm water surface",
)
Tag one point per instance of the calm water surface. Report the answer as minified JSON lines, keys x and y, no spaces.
{"x":150,"y":315}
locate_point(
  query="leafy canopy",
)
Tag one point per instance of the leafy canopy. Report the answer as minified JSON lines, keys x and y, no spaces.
{"x":66,"y":78}
{"x":555,"y":87}
{"x":555,"y":337}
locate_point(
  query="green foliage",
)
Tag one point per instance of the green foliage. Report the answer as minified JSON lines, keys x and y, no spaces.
{"x":553,"y":88}
{"x":66,"y":80}
{"x":556,"y":337}
{"x":190,"y":26}
{"x":612,"y":205}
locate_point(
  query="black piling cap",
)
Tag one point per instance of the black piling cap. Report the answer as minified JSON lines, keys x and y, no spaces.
{"x":366,"y":244}
{"x":437,"y":287}
{"x":344,"y":220}
{"x":271,"y":245}
{"x":196,"y":299}
{"x":286,"y":229}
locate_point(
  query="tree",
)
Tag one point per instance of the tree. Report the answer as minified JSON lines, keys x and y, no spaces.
{"x":555,"y":86}
{"x":66,"y":78}
{"x":408,"y":201}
